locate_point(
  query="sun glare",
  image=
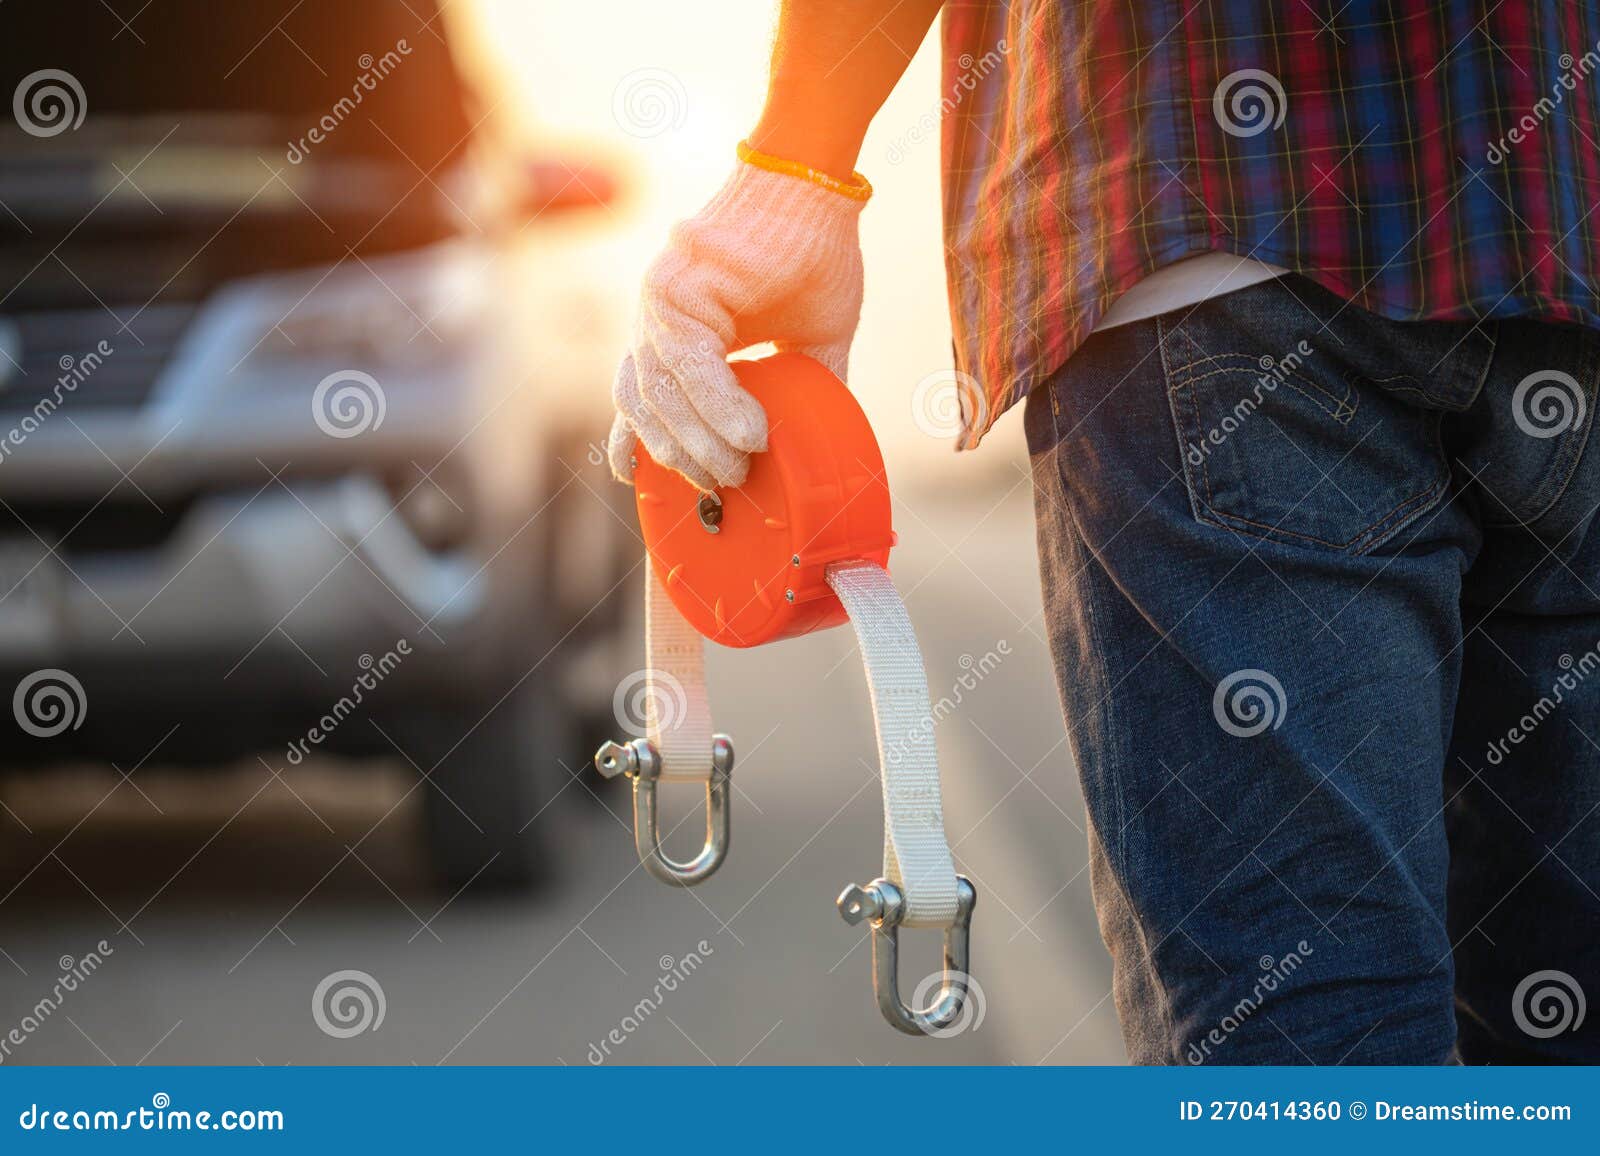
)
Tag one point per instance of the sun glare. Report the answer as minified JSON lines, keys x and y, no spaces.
{"x":669,"y":90}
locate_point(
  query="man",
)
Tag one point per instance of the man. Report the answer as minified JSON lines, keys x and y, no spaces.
{"x":1303,"y":300}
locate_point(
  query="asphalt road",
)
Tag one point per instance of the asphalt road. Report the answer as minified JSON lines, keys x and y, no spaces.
{"x":226,"y":898}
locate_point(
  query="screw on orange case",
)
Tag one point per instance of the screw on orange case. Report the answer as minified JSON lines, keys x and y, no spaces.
{"x":745,"y":565}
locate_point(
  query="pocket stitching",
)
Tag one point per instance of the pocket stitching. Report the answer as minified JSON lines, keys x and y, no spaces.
{"x":1344,"y":409}
{"x":1370,"y":537}
{"x":1376,"y":530}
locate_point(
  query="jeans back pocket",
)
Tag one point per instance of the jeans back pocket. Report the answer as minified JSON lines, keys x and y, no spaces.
{"x":1321,"y":434}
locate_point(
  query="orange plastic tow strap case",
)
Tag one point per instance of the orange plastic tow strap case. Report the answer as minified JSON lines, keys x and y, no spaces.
{"x":746,"y":565}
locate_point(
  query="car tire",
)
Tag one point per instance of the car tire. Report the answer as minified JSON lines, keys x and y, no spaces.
{"x":497,"y":790}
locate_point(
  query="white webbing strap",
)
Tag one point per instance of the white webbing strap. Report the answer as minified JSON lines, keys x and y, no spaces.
{"x":916,"y":855}
{"x":677,"y":712}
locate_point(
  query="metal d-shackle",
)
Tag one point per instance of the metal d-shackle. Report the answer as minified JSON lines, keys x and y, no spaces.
{"x":882,"y":903}
{"x":641,"y":762}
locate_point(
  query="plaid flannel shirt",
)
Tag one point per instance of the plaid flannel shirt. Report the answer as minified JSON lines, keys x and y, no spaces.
{"x":1426,"y":160}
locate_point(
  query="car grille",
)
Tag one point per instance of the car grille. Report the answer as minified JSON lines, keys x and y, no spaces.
{"x":119,"y":521}
{"x":56,"y":354}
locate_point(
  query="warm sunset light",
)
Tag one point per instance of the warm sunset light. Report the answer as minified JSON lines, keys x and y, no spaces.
{"x":673,"y":90}
{"x":806,"y":535}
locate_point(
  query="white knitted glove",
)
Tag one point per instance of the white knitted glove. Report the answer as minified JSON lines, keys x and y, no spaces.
{"x":772,"y":257}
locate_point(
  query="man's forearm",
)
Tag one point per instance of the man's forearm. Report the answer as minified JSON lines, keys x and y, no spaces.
{"x":833,"y":65}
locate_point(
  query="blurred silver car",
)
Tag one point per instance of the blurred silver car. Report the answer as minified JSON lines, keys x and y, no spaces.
{"x":298,"y":376}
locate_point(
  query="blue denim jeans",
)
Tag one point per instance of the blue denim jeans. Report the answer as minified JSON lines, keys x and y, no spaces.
{"x":1323,"y":594}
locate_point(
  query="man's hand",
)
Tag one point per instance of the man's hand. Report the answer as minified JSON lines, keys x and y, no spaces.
{"x":774,"y":257}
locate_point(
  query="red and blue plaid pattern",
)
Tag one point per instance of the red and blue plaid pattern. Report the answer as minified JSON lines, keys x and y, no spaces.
{"x":1425,"y":160}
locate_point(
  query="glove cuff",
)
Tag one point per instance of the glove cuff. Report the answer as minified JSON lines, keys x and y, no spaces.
{"x":787,"y":202}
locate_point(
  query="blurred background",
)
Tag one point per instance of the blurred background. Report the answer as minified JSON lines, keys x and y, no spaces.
{"x":316,"y":596}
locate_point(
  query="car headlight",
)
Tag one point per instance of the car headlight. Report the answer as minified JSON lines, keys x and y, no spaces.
{"x":406,"y":310}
